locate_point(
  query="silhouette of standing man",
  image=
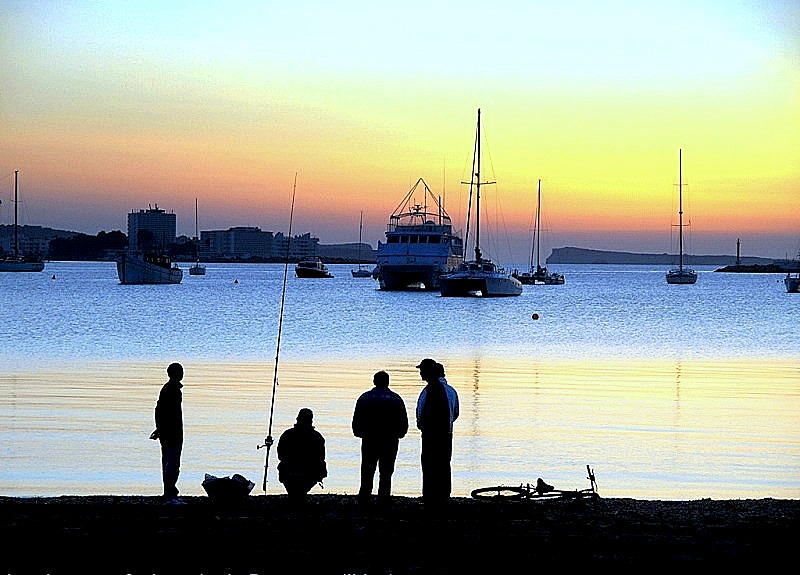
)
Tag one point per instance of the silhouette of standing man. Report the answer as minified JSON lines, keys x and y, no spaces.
{"x":169,"y":431}
{"x":437,"y":409}
{"x":380,"y":420}
{"x":301,"y":451}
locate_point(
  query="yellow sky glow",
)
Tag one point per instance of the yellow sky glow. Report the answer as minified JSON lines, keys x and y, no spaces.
{"x":108,"y":108}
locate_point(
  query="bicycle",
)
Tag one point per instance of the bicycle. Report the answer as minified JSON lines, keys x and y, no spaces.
{"x":539,"y":491}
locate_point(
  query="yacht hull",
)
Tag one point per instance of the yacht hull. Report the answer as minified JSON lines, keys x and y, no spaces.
{"x":134,"y":270}
{"x":471,"y":284}
{"x":12,"y":265}
{"x":682,"y":276}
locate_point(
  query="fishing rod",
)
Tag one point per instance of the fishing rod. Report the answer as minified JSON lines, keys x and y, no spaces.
{"x":268,"y":441}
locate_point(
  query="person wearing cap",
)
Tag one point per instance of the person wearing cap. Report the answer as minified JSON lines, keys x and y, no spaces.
{"x":380,"y":420}
{"x":437,"y":409}
{"x":169,"y":431}
{"x":301,"y":451}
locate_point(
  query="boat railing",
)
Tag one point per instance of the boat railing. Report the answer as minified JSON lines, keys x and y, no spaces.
{"x":420,"y":222}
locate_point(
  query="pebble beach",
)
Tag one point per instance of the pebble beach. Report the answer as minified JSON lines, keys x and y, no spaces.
{"x":334,"y":534}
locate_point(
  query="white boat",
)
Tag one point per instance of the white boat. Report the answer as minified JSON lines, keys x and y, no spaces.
{"x":197,"y":269}
{"x":420,"y":244}
{"x":135,"y":268}
{"x":18,"y":262}
{"x":481,"y":276}
{"x":681,"y":274}
{"x":361,"y":272}
{"x":538,"y":275}
{"x":312,"y":268}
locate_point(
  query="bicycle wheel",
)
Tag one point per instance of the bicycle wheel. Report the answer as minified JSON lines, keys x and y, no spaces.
{"x":500,"y":493}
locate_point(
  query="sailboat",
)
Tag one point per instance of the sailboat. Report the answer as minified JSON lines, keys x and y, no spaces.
{"x":361,"y":272}
{"x":538,"y":275}
{"x":17,"y":262}
{"x":481,"y":276}
{"x":197,"y":269}
{"x":681,"y":275}
{"x":792,"y":280}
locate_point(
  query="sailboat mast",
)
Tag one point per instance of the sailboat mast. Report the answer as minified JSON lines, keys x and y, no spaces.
{"x":478,"y":191}
{"x":680,"y":209}
{"x":538,"y":221}
{"x":16,"y":204}
{"x":360,"y":225}
{"x":196,"y":234}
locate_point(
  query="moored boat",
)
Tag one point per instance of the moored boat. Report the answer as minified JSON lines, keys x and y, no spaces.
{"x":197,"y":269}
{"x":681,"y":274}
{"x":792,"y":279}
{"x":420,"y":244}
{"x":538,"y":274}
{"x":148,"y":268}
{"x":361,"y":272}
{"x":19,"y":262}
{"x":312,"y":268}
{"x":481,"y":276}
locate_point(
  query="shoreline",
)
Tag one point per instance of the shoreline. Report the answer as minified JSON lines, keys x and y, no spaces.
{"x":333,"y":534}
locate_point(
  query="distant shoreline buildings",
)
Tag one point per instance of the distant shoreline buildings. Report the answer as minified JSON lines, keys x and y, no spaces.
{"x":156,"y":226}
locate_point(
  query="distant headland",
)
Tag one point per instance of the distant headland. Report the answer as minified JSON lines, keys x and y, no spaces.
{"x":573,"y":255}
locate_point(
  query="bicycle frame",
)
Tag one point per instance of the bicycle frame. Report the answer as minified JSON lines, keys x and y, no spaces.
{"x":538,"y":491}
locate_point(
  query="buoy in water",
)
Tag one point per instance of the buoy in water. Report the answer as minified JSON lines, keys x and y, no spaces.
{"x":236,"y":281}
{"x":535,"y":316}
{"x":54,"y":276}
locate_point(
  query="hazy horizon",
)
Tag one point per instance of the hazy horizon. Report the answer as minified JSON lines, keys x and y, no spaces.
{"x":111,"y":107}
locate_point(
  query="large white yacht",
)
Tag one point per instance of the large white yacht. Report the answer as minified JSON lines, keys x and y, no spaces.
{"x":420,"y":244}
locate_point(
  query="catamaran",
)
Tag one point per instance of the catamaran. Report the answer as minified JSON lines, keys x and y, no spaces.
{"x":481,"y":276}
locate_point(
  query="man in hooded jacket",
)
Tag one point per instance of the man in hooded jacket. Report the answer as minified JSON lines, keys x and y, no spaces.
{"x":437,"y":409}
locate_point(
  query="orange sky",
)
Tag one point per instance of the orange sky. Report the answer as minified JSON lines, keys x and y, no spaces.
{"x":113,"y":107}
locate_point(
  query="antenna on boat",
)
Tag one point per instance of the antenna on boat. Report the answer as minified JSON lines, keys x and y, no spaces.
{"x":268,"y":441}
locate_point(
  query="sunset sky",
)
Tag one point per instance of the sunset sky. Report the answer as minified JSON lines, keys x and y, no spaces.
{"x":109,"y":107}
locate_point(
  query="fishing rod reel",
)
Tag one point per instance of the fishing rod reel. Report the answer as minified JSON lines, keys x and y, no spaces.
{"x":267,"y":442}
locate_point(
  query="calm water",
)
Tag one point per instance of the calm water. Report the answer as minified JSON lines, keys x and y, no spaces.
{"x":675,"y":392}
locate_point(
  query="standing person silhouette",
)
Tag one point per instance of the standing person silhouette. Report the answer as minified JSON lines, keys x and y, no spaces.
{"x":169,"y":431}
{"x":301,"y":451}
{"x":437,"y":409}
{"x":380,"y":420}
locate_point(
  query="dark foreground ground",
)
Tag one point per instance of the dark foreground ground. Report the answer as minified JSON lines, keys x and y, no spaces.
{"x":332,"y":534}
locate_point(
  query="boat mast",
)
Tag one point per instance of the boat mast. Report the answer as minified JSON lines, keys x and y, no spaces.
{"x":680,"y":211}
{"x":16,"y":204}
{"x":537,"y":231}
{"x":478,"y":192}
{"x":360,"y":225}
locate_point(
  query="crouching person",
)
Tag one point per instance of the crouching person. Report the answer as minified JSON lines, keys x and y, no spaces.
{"x":301,"y":451}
